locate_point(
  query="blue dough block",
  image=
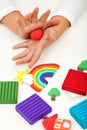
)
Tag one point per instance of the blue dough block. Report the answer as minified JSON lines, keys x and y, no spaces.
{"x":33,"y":108}
{"x":79,"y":113}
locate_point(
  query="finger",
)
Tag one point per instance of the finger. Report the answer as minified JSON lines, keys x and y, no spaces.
{"x":21,"y":55}
{"x":44,"y":17}
{"x":28,"y":18}
{"x":34,"y":58}
{"x":21,"y":45}
{"x":25,"y":59}
{"x":47,"y":25}
{"x":50,"y":23}
{"x":34,"y":17}
{"x":34,"y":26}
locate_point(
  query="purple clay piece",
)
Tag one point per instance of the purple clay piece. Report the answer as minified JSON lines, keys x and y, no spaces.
{"x":33,"y":109}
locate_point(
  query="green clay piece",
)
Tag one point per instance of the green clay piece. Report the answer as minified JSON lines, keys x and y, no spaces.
{"x":54,"y":92}
{"x":83,"y":65}
{"x":8,"y":92}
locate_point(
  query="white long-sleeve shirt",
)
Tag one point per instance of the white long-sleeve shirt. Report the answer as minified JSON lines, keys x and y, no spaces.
{"x":70,"y":9}
{"x":6,"y":6}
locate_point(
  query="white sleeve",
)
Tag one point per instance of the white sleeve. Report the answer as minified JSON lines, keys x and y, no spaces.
{"x":71,"y":9}
{"x":6,"y":6}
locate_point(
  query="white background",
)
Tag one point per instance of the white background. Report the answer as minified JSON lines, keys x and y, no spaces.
{"x":68,"y":51}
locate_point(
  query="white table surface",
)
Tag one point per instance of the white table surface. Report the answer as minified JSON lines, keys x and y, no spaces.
{"x":68,"y":51}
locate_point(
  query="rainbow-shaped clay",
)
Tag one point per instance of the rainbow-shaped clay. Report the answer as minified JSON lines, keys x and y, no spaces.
{"x":40,"y":73}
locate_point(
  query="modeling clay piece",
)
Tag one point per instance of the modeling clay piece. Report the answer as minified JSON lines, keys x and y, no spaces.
{"x":62,"y":124}
{"x":40,"y":73}
{"x":76,"y":82}
{"x":8,"y":92}
{"x":36,"y":34}
{"x":83,"y":65}
{"x":79,"y":113}
{"x":48,"y":123}
{"x":33,"y":108}
{"x":54,"y":92}
{"x":28,"y":79}
{"x":20,"y":75}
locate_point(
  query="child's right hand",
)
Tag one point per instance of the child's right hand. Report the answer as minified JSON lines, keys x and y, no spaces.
{"x":31,"y":22}
{"x":33,"y":48}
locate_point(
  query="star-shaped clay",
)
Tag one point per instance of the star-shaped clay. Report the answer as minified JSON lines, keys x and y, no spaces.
{"x":20,"y":76}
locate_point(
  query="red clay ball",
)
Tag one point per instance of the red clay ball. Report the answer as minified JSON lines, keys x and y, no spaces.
{"x":36,"y":34}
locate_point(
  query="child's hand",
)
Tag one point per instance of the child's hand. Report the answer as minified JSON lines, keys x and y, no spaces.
{"x":31,"y":23}
{"x":31,"y":53}
{"x":21,"y":25}
{"x":54,"y":29}
{"x":34,"y":48}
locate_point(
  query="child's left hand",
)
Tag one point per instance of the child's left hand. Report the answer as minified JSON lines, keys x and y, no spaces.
{"x":31,"y":23}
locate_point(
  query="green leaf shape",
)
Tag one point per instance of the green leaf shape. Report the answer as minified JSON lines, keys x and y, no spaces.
{"x":54,"y":92}
{"x":83,"y":65}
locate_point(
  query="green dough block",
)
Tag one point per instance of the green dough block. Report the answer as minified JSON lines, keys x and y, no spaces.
{"x":8,"y":92}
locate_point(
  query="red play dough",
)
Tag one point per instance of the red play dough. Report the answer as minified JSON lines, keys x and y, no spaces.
{"x":48,"y":123}
{"x":36,"y":34}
